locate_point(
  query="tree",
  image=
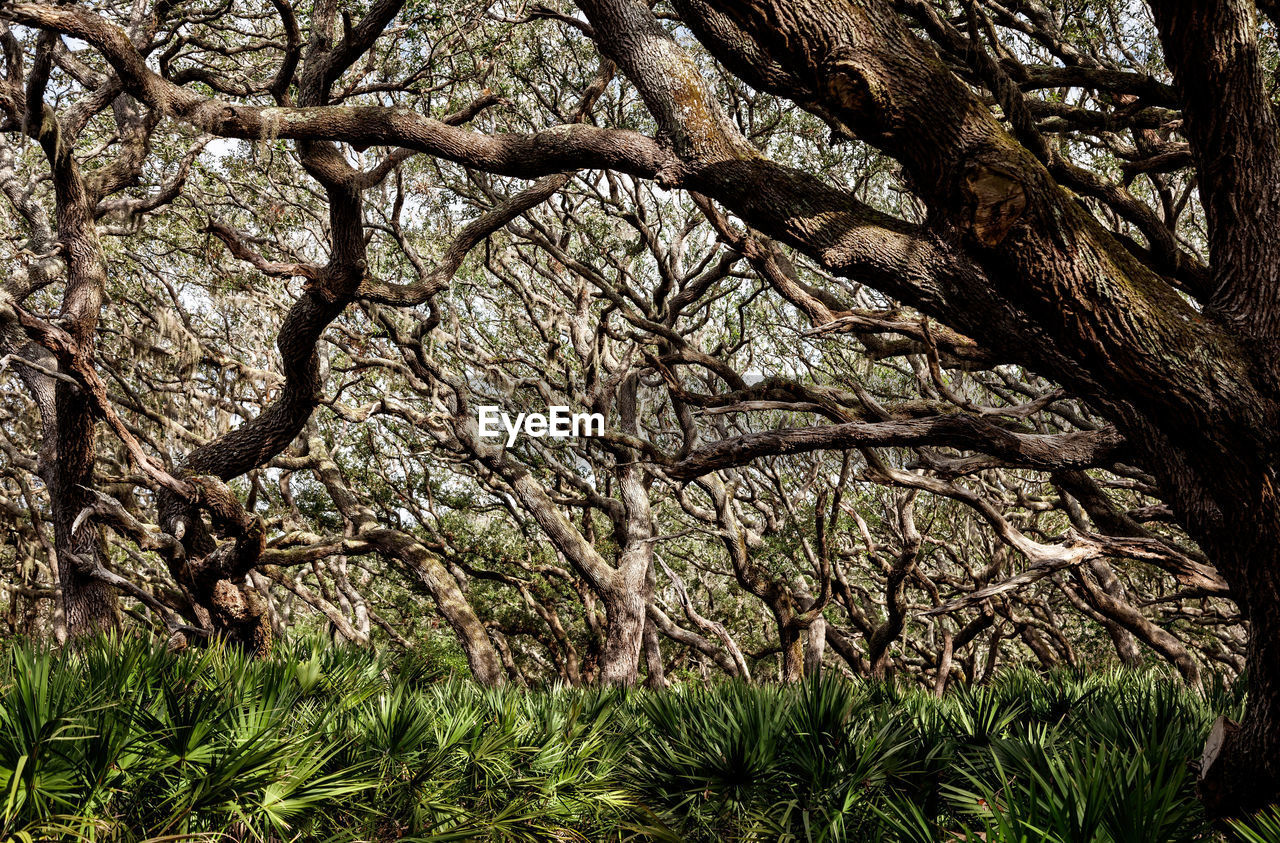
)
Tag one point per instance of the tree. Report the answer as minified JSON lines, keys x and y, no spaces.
{"x":1014,"y":236}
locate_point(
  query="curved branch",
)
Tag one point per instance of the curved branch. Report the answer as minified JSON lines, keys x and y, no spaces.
{"x":1033,"y":450}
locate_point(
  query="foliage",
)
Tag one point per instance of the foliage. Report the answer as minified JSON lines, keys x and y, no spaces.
{"x":123,"y":740}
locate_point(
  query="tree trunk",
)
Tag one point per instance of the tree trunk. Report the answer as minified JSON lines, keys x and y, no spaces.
{"x":1126,"y":645}
{"x":695,"y":642}
{"x":422,"y":565}
{"x":1244,"y":774}
{"x":435,"y":579}
{"x":1127,"y":616}
{"x":944,"y":665}
{"x":993,"y":657}
{"x":792,"y":641}
{"x":89,"y":605}
{"x":655,"y":677}
{"x":624,"y":636}
{"x":815,"y":646}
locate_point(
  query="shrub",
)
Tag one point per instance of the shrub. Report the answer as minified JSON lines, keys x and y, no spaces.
{"x":121,"y":740}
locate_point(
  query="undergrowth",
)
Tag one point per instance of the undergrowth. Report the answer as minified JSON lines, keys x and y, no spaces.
{"x":121,"y":740}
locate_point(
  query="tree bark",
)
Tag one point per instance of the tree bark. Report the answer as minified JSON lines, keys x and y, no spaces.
{"x":791,"y":641}
{"x":655,"y":674}
{"x":1245,"y":775}
{"x":814,"y":647}
{"x":944,"y":664}
{"x":625,"y":612}
{"x":89,"y":605}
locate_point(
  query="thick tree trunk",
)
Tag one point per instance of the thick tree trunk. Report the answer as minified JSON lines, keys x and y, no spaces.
{"x":814,"y":647}
{"x":629,"y":589}
{"x":624,"y":636}
{"x":86,"y":605}
{"x":792,"y":641}
{"x":89,"y":605}
{"x":1243,"y":774}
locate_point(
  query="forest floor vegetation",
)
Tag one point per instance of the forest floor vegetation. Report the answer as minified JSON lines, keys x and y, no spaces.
{"x":122,"y":740}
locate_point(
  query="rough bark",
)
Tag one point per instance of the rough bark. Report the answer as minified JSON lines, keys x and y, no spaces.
{"x":815,"y":641}
{"x":89,"y":605}
{"x":655,"y":674}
